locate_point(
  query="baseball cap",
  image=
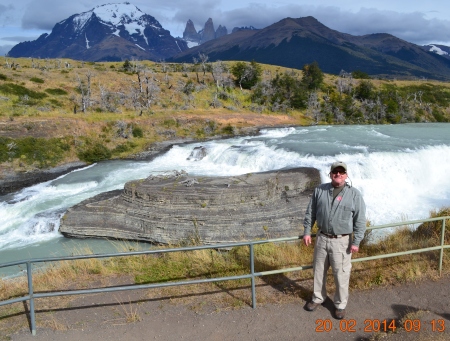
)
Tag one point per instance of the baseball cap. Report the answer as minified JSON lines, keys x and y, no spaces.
{"x":338,"y":164}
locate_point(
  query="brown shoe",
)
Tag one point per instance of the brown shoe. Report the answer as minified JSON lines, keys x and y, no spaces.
{"x":340,"y":314}
{"x":311,"y":306}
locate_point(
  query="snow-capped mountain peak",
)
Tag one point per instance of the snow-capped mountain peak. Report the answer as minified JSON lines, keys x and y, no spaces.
{"x":131,"y":18}
{"x":112,"y":31}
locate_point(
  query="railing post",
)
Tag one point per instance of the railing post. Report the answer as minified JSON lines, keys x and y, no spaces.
{"x":441,"y":256}
{"x":30,"y":293}
{"x":252,"y":271}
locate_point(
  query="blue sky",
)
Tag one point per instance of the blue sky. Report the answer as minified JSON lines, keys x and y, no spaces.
{"x":417,"y":22}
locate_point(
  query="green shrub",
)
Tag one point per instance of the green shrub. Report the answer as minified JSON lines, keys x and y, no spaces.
{"x":121,"y":148}
{"x":137,"y":132}
{"x":37,"y":80}
{"x":3,"y":77}
{"x":312,"y":76}
{"x":228,"y":130}
{"x":19,"y":90}
{"x":55,"y":102}
{"x":439,"y":116}
{"x":364,"y":90}
{"x":357,"y":74}
{"x":170,"y":123}
{"x":246,"y":74}
{"x":56,"y":92}
{"x":40,"y":151}
{"x":94,"y":153}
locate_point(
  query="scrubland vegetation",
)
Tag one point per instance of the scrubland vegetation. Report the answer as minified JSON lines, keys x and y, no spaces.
{"x":56,"y":111}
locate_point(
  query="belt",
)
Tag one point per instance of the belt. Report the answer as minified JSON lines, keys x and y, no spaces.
{"x":334,"y":236}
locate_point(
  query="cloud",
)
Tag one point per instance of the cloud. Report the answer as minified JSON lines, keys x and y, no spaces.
{"x":4,"y":49}
{"x":413,"y":27}
{"x":44,"y":14}
{"x":4,"y":9}
{"x":18,"y":39}
{"x":6,"y":14}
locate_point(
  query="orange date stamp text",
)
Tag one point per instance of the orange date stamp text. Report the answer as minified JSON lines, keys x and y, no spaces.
{"x":374,"y":325}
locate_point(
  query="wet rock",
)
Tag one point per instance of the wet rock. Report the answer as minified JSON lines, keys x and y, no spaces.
{"x":198,"y":154}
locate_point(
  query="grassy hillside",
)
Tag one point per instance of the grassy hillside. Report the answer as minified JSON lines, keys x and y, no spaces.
{"x":54,"y":111}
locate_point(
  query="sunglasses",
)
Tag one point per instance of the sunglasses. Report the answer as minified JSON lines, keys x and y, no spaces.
{"x":335,"y":171}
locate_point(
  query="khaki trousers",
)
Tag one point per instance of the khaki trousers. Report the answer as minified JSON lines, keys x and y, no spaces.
{"x":334,"y":252}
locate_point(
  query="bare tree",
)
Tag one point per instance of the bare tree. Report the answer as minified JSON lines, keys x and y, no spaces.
{"x":140,"y":81}
{"x":85,"y":91}
{"x":380,"y":110}
{"x":110,"y":101}
{"x":203,"y":59}
{"x":163,"y":64}
{"x":195,"y":68}
{"x":345,"y":82}
{"x":146,"y":92}
{"x":339,"y":115}
{"x":152,"y":90}
{"x":405,"y":108}
{"x":314,"y":110}
{"x":184,"y":69}
{"x":221,"y":74}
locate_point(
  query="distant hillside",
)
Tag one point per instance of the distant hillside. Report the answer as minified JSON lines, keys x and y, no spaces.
{"x":296,"y":42}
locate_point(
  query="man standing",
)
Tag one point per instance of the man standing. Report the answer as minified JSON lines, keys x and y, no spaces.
{"x":340,"y":211}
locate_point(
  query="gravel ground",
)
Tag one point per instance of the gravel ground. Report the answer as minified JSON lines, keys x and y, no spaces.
{"x":104,"y":316}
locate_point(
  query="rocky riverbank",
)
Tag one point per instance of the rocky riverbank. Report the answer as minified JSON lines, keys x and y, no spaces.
{"x":175,"y":208}
{"x":12,"y":181}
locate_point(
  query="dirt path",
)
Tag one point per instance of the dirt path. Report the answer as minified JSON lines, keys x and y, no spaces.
{"x":102,"y":317}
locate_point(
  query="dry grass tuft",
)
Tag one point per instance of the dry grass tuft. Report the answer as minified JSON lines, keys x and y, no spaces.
{"x":130,"y":312}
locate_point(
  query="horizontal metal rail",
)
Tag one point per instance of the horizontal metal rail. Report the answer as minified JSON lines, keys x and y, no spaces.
{"x":252,"y":275}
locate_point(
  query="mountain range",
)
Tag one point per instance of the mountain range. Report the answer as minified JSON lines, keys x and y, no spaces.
{"x":296,"y":42}
{"x":116,"y":32}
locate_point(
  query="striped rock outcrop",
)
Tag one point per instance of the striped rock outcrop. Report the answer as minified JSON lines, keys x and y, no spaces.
{"x":177,"y":208}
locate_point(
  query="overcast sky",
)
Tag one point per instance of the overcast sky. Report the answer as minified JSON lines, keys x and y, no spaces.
{"x":419,"y":22}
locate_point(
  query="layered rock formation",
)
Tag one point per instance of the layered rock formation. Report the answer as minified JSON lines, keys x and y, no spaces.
{"x":176,"y":208}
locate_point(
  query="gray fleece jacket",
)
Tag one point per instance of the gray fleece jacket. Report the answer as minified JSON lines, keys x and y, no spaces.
{"x":345,"y":215}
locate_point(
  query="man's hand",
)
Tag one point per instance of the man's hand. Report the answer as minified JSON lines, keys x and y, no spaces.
{"x":354,"y":249}
{"x":307,"y":240}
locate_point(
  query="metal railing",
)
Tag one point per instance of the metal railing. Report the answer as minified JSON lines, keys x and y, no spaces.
{"x":252,"y":275}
